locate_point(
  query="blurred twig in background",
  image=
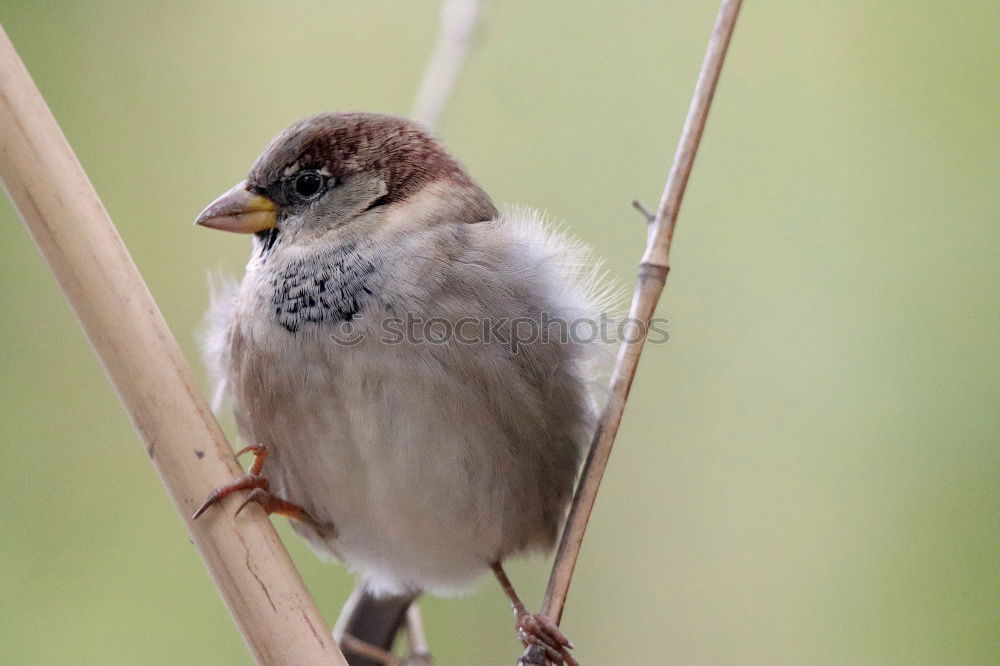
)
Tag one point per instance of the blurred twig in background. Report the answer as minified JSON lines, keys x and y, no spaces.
{"x":458,"y":24}
{"x":653,"y":271}
{"x":61,"y":210}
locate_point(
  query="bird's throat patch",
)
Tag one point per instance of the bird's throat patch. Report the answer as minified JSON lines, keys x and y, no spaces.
{"x":328,"y":288}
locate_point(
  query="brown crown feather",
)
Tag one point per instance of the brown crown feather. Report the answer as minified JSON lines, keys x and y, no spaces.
{"x":401,"y":151}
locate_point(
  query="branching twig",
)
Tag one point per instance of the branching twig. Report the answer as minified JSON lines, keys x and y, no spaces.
{"x":653,"y":271}
{"x":251,"y":568}
{"x":458,"y":23}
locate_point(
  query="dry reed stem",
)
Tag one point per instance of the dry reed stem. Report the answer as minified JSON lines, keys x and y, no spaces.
{"x":653,"y":271}
{"x":61,"y":210}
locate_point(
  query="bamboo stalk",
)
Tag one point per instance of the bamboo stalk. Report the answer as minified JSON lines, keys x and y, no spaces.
{"x":652,"y":277}
{"x":251,"y":568}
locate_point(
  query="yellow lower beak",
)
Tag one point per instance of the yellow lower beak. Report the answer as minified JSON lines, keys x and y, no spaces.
{"x":240,"y":211}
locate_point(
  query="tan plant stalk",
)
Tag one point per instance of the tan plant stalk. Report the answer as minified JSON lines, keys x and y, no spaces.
{"x":61,"y":210}
{"x":653,"y":271}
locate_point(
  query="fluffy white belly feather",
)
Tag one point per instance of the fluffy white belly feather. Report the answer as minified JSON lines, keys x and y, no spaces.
{"x":430,"y":461}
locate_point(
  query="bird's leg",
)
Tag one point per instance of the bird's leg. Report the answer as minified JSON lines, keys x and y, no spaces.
{"x":536,"y":629}
{"x":260,"y":492}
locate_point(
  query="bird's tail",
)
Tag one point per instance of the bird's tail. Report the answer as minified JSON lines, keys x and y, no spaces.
{"x":373,"y":620}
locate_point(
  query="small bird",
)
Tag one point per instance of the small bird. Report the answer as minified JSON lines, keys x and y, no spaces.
{"x":409,"y":363}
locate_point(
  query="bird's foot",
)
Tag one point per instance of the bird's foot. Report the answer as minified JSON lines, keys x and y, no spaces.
{"x":260,"y":492}
{"x":540,"y":630}
{"x":536,"y":630}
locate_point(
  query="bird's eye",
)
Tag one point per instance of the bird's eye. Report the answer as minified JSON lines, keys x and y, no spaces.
{"x":307,"y":184}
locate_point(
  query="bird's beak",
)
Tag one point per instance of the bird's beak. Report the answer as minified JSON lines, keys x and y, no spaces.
{"x":240,"y":211}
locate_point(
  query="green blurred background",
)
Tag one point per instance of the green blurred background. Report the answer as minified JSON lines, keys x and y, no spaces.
{"x":806,"y":473}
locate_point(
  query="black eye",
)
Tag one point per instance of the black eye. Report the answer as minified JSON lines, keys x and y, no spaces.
{"x":307,"y":184}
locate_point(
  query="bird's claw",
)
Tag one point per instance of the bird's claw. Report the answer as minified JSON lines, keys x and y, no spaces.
{"x":260,"y":492}
{"x":274,"y":504}
{"x":540,"y":630}
{"x":245,"y":482}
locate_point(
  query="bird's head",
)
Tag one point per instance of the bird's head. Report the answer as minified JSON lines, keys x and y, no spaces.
{"x":330,"y":170}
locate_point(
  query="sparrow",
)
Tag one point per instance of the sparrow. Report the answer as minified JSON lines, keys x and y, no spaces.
{"x":405,"y":358}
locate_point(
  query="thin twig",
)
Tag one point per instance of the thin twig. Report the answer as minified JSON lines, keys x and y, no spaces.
{"x":61,"y":210}
{"x":653,"y":271}
{"x":650,"y":217}
{"x":458,"y":24}
{"x":365,"y":649}
{"x":419,"y":649}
